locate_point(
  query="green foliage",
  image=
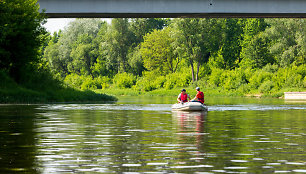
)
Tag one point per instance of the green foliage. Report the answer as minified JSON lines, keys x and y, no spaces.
{"x":289,"y":77}
{"x":119,"y":92}
{"x":102,"y":82}
{"x":258,"y":78}
{"x":124,"y":80}
{"x":47,"y":90}
{"x":75,"y":50}
{"x":136,"y":62}
{"x":231,"y":47}
{"x":21,"y":35}
{"x":157,"y":52}
{"x":288,"y":40}
{"x":268,"y":80}
{"x":118,"y":41}
{"x":151,"y":56}
{"x":151,"y":80}
{"x":256,"y":53}
{"x":217,"y":60}
{"x":141,"y":26}
{"x":73,"y":80}
{"x":25,"y":74}
{"x":84,"y":82}
{"x":196,"y":40}
{"x":234,"y":56}
{"x":266,"y":86}
{"x":228,"y":79}
{"x":177,"y":80}
{"x":254,"y":45}
{"x":234,"y":79}
{"x":215,"y":77}
{"x":270,"y":68}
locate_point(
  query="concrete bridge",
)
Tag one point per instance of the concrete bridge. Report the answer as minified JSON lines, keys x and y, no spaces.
{"x":173,"y":8}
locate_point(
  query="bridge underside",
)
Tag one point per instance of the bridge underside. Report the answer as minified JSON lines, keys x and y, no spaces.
{"x":174,"y":15}
{"x":173,"y":8}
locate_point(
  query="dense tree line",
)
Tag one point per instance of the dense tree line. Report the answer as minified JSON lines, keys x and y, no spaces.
{"x":164,"y":53}
{"x":243,"y":55}
{"x":25,"y":76}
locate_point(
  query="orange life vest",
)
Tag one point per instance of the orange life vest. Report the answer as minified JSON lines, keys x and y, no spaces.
{"x":184,"y":97}
{"x":200,"y":96}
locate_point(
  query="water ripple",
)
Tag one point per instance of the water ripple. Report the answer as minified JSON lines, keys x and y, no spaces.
{"x":167,"y":107}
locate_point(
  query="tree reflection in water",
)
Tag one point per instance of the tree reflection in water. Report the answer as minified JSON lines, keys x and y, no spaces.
{"x":191,"y":128}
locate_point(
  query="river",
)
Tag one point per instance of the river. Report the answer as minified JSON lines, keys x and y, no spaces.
{"x":142,"y":135}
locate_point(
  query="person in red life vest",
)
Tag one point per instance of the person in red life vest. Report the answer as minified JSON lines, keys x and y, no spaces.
{"x":183,"y":97}
{"x":199,"y":97}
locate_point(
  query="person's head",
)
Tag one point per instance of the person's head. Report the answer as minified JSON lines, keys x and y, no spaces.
{"x":197,"y":88}
{"x":183,"y":91}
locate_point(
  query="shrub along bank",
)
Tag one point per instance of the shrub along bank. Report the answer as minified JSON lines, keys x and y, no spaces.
{"x":269,"y":81}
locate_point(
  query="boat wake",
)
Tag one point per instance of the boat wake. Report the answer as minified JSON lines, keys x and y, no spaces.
{"x":167,"y":107}
{"x":255,"y":107}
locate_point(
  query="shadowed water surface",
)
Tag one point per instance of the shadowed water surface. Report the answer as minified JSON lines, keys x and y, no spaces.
{"x":142,"y":135}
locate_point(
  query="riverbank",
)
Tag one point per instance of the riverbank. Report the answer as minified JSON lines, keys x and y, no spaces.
{"x":213,"y":92}
{"x":11,"y":92}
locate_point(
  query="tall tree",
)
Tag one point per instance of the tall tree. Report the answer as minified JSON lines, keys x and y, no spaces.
{"x":211,"y":34}
{"x":21,"y":35}
{"x":52,"y":55}
{"x":75,"y":47}
{"x":101,"y":66}
{"x":254,"y":52}
{"x":197,"y":39}
{"x":231,"y":47}
{"x":119,"y":39}
{"x":136,"y":61}
{"x":158,"y":53}
{"x":83,"y":56}
{"x":288,"y":40}
{"x":141,"y":26}
{"x":189,"y":33}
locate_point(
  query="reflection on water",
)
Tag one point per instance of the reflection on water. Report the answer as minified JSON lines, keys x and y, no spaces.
{"x":167,"y":107}
{"x":149,"y":138}
{"x":17,"y":140}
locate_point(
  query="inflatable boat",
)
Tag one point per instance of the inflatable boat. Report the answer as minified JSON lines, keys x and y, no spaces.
{"x":189,"y":106}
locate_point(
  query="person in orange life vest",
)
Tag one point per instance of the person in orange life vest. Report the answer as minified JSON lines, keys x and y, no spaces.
{"x":183,"y":97}
{"x":199,"y":97}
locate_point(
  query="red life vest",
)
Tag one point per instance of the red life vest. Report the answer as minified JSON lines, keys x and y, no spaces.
{"x":184,"y":97}
{"x":200,"y":96}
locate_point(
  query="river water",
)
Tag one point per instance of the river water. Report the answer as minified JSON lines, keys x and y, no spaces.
{"x":142,"y":135}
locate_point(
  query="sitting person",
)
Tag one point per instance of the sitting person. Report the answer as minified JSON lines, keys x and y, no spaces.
{"x":183,"y":97}
{"x":199,"y":97}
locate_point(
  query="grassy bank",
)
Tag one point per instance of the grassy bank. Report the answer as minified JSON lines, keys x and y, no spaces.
{"x":213,"y":92}
{"x":161,"y":92}
{"x":11,"y":92}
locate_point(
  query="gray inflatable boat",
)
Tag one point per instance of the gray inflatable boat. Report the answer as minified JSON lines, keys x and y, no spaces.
{"x":189,"y":106}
